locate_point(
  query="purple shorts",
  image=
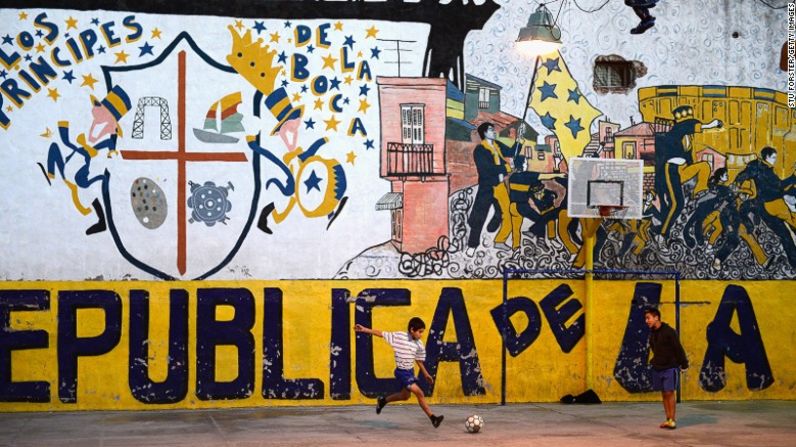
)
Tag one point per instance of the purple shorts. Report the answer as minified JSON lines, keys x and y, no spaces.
{"x":664,"y":380}
{"x":406,"y":377}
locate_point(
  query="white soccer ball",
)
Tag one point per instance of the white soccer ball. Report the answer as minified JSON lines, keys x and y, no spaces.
{"x":474,"y":423}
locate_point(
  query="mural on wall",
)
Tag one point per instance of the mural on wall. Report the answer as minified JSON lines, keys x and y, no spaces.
{"x":323,"y":143}
{"x":147,"y":345}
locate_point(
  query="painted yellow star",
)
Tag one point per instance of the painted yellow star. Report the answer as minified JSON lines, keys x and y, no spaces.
{"x":359,"y":54}
{"x":23,"y":15}
{"x":363,"y":106}
{"x":296,"y":97}
{"x":371,"y":32}
{"x":121,"y":56}
{"x":328,"y":61}
{"x":338,"y":26}
{"x":274,"y":37}
{"x":156,"y":33}
{"x":71,"y":22}
{"x":40,"y":48}
{"x":53,"y":93}
{"x":350,"y":157}
{"x":9,"y":109}
{"x":239,"y":24}
{"x":47,"y":133}
{"x":348,"y":80}
{"x":331,"y":123}
{"x":89,"y":81}
{"x":318,"y":104}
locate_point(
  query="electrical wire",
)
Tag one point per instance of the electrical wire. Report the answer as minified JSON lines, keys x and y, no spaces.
{"x":772,"y":6}
{"x":592,"y":10}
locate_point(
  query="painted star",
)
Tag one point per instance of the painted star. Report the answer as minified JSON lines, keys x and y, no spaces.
{"x":334,"y":83}
{"x":368,"y":144}
{"x":346,"y":101}
{"x":156,"y":33}
{"x":363,"y":90}
{"x":53,"y":93}
{"x":284,"y":83}
{"x":350,"y":157}
{"x":318,"y":104}
{"x":304,"y":88}
{"x":374,"y":53}
{"x":310,"y":49}
{"x":28,"y":58}
{"x":310,"y":124}
{"x":574,"y":126}
{"x":8,"y":40}
{"x":349,"y":40}
{"x":283,"y":58}
{"x":313,"y":182}
{"x":39,"y":33}
{"x":121,"y":56}
{"x":275,"y":37}
{"x":348,"y":80}
{"x":9,"y":109}
{"x":359,"y":54}
{"x":40,"y":48}
{"x":574,"y":96}
{"x":551,"y":65}
{"x":363,"y":105}
{"x":548,"y":91}
{"x":239,"y":24}
{"x":71,"y":22}
{"x":3,"y":74}
{"x":328,"y":61}
{"x":101,"y":49}
{"x":23,"y":15}
{"x":338,"y":26}
{"x":287,"y":24}
{"x":89,"y":81}
{"x":259,"y":26}
{"x":146,"y":49}
{"x":296,"y":97}
{"x":331,"y":123}
{"x":95,"y":21}
{"x":548,"y":121}
{"x":68,"y":76}
{"x":371,"y":32}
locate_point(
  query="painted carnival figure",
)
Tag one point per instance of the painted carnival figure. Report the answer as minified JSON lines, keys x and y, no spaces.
{"x":675,"y":165}
{"x":102,"y":134}
{"x":490,"y":158}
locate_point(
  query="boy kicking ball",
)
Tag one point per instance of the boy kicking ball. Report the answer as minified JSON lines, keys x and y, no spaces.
{"x":408,"y":349}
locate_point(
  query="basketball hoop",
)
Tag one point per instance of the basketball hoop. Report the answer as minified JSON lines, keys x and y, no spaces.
{"x":607,"y":211}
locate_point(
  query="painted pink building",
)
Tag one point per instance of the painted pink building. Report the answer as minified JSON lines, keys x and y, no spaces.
{"x":413,"y":120}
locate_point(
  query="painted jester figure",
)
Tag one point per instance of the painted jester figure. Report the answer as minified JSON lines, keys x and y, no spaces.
{"x":102,"y":134}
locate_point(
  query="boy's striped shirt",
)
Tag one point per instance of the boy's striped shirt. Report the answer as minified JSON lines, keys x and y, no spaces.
{"x":406,"y":349}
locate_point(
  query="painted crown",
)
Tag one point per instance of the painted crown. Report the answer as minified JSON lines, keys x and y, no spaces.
{"x":253,"y":61}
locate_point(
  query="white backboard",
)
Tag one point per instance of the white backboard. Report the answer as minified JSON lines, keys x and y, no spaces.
{"x":596,"y":182}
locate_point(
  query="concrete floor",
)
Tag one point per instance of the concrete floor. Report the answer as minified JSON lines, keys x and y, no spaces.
{"x":748,"y":423}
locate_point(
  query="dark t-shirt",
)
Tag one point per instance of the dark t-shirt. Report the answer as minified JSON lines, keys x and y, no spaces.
{"x":667,"y":352}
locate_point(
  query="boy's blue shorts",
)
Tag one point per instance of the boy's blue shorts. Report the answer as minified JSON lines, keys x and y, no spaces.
{"x":406,"y":377}
{"x":665,"y":380}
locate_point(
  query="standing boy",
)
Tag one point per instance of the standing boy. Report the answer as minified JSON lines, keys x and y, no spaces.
{"x":408,"y":349}
{"x":668,"y":356}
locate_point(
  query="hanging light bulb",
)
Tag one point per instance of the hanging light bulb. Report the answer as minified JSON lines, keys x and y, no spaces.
{"x":541,"y":35}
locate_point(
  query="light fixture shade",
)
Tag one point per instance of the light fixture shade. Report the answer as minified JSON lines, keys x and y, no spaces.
{"x":540,"y":28}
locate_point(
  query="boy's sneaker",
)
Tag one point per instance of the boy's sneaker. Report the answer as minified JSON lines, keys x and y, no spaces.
{"x":669,"y":423}
{"x":643,"y":26}
{"x":381,"y":401}
{"x":436,"y":420}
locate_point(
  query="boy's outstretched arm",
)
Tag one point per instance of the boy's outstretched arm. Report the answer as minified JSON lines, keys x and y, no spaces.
{"x":366,"y":330}
{"x":423,"y":370}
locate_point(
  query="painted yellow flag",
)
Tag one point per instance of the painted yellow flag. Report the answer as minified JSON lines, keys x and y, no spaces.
{"x":560,"y":105}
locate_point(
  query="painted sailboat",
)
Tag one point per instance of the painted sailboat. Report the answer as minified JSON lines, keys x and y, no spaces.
{"x":222,"y":119}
